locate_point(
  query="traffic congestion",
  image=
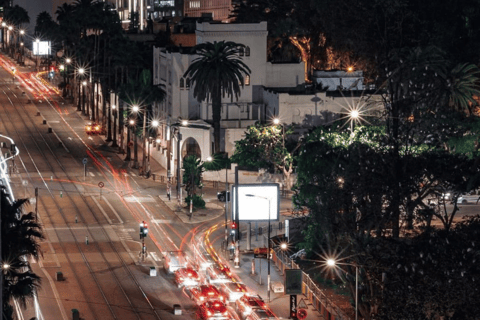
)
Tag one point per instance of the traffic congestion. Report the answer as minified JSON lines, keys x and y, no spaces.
{"x":216,"y":290}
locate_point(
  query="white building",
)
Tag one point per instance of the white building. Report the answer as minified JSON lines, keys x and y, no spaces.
{"x":271,"y":90}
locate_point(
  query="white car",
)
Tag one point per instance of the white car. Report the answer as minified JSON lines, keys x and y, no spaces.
{"x":468,"y":199}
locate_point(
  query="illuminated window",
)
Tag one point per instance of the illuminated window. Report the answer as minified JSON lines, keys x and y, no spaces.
{"x":166,"y":3}
{"x":195,"y":4}
{"x":247,"y":80}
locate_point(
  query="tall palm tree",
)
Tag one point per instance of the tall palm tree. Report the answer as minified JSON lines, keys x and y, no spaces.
{"x":21,"y":234}
{"x":218,"y":71}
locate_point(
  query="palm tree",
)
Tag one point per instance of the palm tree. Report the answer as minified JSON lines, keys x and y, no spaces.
{"x":21,"y":234}
{"x":143,"y":93}
{"x":218,"y":71}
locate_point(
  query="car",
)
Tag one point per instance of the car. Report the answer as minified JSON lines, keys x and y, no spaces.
{"x":247,"y":303}
{"x":186,"y":277}
{"x":220,"y":273}
{"x":93,"y":128}
{"x":213,"y":310}
{"x":233,"y":290}
{"x":206,"y":292}
{"x":261,"y":314}
{"x":203,"y":260}
{"x":262,"y":252}
{"x":468,"y":198}
{"x":221,"y":196}
{"x":174,"y":260}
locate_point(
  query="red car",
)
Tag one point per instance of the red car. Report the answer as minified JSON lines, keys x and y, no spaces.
{"x":211,"y":310}
{"x":186,"y":277}
{"x":219,"y":274}
{"x":248,"y":303}
{"x":206,"y":292}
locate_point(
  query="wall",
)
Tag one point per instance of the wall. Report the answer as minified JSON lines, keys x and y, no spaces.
{"x":284,"y":74}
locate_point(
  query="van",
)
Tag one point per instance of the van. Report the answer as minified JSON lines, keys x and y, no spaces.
{"x":175,"y":260}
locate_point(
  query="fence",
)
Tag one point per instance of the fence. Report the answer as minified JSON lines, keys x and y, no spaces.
{"x":327,"y":308}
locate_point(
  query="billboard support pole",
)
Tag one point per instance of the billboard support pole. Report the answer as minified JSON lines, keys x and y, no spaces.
{"x":237,"y":222}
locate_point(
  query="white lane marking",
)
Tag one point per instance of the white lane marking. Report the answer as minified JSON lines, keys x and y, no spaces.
{"x":114,"y":211}
{"x":155,"y":257}
{"x":91,"y":174}
{"x":139,"y":199}
{"x":158,"y":221}
{"x":101,"y":209}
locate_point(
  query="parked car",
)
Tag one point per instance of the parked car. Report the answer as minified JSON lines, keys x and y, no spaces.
{"x":221,"y":196}
{"x":468,"y":199}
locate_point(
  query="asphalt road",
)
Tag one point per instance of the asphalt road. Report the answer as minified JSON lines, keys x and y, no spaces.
{"x":92,"y":232}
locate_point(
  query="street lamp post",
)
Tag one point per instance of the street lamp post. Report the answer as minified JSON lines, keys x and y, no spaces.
{"x":131,"y":123}
{"x":114,"y":109}
{"x":268,"y":240}
{"x":333,"y":263}
{"x":135,"y":110}
{"x":80,"y":73}
{"x":84,"y":84}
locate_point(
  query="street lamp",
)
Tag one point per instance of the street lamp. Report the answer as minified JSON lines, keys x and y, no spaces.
{"x":114,"y":109}
{"x":131,"y":123}
{"x":354,"y":114}
{"x":135,"y":110}
{"x":268,"y":240}
{"x":80,"y":73}
{"x":84,"y":84}
{"x":332,"y":263}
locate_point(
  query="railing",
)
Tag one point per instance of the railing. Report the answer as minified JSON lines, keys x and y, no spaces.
{"x":317,"y":298}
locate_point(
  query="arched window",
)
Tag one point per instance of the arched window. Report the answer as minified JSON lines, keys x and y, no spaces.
{"x":191,"y":147}
{"x":247,"y":80}
{"x":241,"y":51}
{"x":182,"y":83}
{"x":188,"y":83}
{"x":247,"y":51}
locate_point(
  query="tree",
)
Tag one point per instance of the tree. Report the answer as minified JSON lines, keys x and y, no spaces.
{"x":265,"y":146}
{"x":16,"y":15}
{"x":46,"y":27}
{"x":21,"y":234}
{"x":192,"y":179}
{"x":218,"y":71}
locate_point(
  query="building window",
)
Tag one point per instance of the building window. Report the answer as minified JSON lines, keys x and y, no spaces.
{"x":182,"y":83}
{"x":247,"y":51}
{"x":241,"y":51}
{"x":188,"y":83}
{"x":194,"y":4}
{"x":247,"y":80}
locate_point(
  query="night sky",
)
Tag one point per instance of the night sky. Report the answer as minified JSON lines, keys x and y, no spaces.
{"x":34,"y":7}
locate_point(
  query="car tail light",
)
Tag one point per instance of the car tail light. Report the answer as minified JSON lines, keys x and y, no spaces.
{"x":210,"y":293}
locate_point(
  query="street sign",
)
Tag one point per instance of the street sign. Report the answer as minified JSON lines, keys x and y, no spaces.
{"x":84,"y":160}
{"x":101,"y":184}
{"x":301,"y":314}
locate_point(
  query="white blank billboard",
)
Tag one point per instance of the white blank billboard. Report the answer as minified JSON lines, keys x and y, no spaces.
{"x":254,"y":201}
{"x":41,"y":48}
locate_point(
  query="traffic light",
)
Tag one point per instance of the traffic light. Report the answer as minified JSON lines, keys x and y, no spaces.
{"x":143,"y":229}
{"x":233,"y":226}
